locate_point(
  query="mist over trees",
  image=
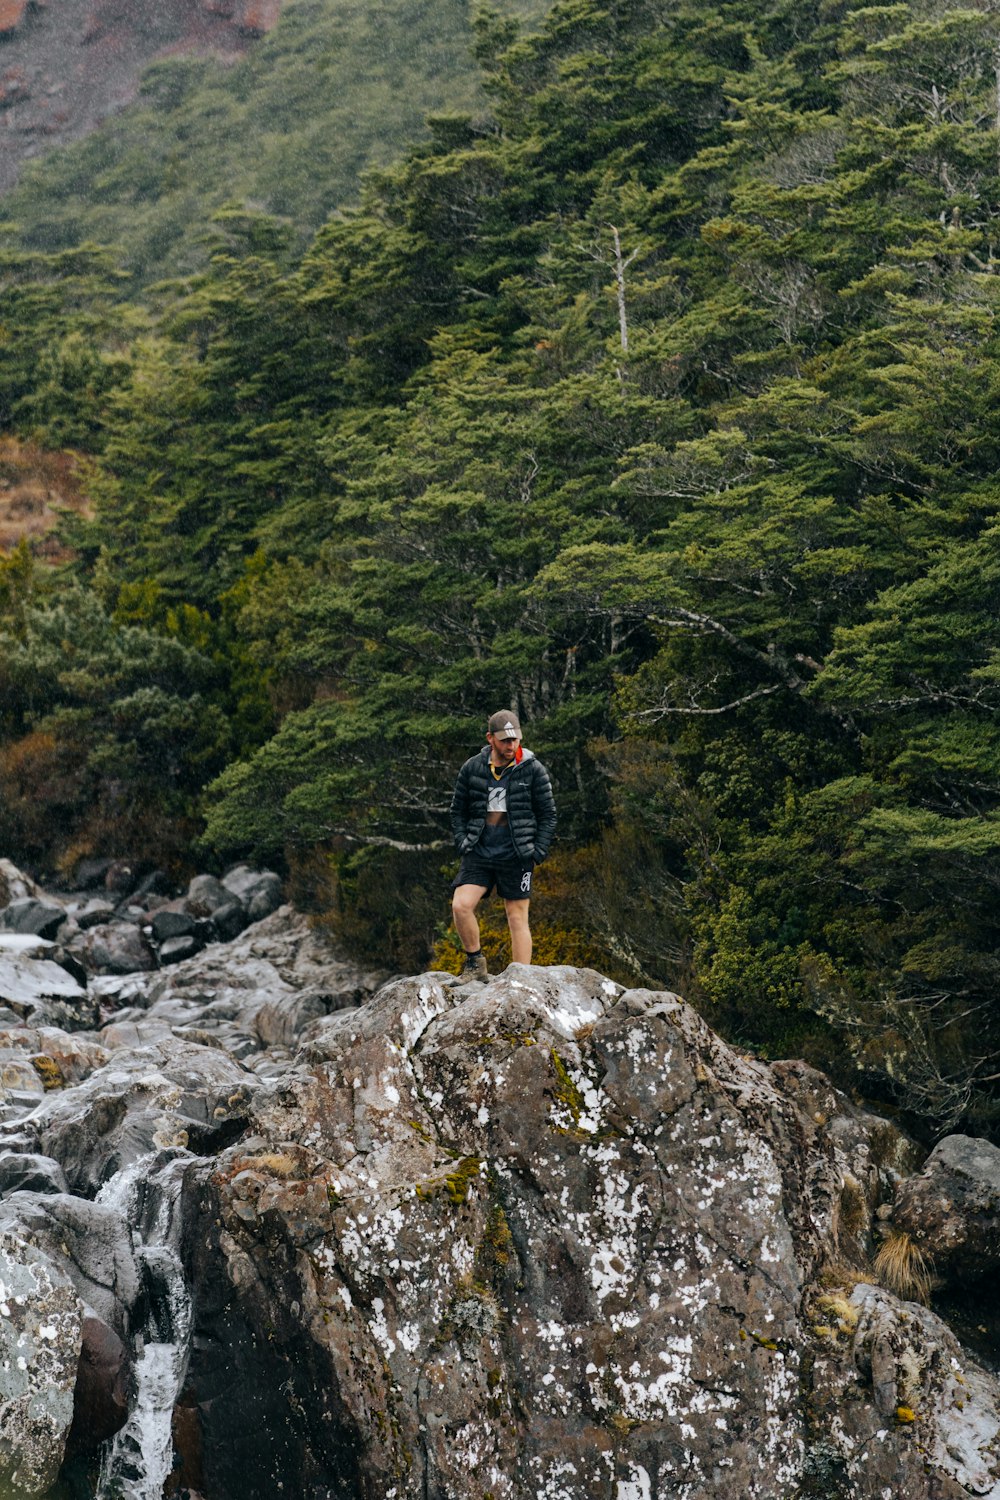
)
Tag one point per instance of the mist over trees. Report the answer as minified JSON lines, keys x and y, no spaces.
{"x":655,"y":397}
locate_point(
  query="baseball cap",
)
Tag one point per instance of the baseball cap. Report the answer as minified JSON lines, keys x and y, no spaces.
{"x":505,"y":724}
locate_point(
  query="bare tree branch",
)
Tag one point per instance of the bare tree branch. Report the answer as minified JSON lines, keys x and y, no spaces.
{"x":663,"y":709}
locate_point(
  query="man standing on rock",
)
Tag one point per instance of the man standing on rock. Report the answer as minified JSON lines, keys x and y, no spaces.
{"x":503,"y":816}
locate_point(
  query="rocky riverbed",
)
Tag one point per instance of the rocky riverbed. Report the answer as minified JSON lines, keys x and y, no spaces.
{"x":270,"y":1225}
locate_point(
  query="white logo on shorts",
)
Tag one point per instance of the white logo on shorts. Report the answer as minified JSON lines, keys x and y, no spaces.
{"x":526,"y":881}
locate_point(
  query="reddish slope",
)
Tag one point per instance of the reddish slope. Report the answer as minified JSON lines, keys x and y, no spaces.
{"x":34,"y":487}
{"x":65,"y":66}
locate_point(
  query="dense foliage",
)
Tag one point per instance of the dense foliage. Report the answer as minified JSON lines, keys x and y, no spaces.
{"x":660,"y":404}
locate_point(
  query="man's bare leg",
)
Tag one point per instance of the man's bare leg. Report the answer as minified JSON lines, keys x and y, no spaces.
{"x":520,"y":932}
{"x":463,"y":909}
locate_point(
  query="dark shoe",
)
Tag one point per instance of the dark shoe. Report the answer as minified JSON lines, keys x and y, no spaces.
{"x":474,"y":968}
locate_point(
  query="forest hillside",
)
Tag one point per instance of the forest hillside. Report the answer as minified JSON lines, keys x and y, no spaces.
{"x":654,"y":396}
{"x":334,"y":87}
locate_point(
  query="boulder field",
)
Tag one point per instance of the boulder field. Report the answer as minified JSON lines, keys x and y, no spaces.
{"x":270,"y":1224}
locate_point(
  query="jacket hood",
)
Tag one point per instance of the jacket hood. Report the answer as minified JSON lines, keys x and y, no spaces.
{"x":525,"y":754}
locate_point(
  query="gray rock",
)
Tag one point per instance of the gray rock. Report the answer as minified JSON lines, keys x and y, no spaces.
{"x":91,"y":914}
{"x":951,"y":1209}
{"x":114,"y":948}
{"x":177,"y":948}
{"x":258,"y":890}
{"x":42,"y":992}
{"x":229,"y":921}
{"x":90,"y":1242}
{"x":928,"y":1416}
{"x":41,"y":1333}
{"x":538,"y":1232}
{"x":39,"y":918}
{"x":166,"y":1094}
{"x":28,"y":1172}
{"x":243,"y":880}
{"x":265,"y":898}
{"x":170,"y":924}
{"x":205,"y":895}
{"x":15,"y":885}
{"x":280,"y":1022}
{"x":63,"y":955}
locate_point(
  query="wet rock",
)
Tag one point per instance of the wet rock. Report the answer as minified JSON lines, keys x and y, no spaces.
{"x":31,"y":916}
{"x":28,"y":1172}
{"x":91,"y":913}
{"x":91,"y":1244}
{"x":41,"y":1330}
{"x":101,"y":1394}
{"x":170,"y":1093}
{"x":177,"y":948}
{"x":114,"y":948}
{"x":170,"y":924}
{"x":951,"y":1209}
{"x":60,"y":1058}
{"x":42,"y":992}
{"x":541,"y":1236}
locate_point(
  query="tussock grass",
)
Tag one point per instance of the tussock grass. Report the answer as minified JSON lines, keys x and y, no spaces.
{"x":903,"y":1268}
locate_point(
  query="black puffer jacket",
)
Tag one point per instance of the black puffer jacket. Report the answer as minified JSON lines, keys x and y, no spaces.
{"x":531,"y":808}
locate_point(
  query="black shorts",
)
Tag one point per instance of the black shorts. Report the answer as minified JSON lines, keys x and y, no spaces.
{"x":512,"y":877}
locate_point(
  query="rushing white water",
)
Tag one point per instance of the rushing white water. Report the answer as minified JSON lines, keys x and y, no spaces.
{"x":140,"y":1457}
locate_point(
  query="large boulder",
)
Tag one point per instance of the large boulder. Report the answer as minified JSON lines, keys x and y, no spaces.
{"x":30,"y":916}
{"x":41,"y":1334}
{"x":951,"y":1209}
{"x":90,"y":1242}
{"x":27,"y":1172}
{"x":114,"y":948}
{"x":166,"y":924}
{"x":205,"y":895}
{"x":543,"y":1237}
{"x":170,"y":1094}
{"x":897,"y":1407}
{"x":15,"y":885}
{"x":229,"y":921}
{"x":44,"y":993}
{"x":258,"y":890}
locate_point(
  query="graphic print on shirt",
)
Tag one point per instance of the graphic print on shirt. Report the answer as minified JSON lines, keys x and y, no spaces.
{"x":497,"y":802}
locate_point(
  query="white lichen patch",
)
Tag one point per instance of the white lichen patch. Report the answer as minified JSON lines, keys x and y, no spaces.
{"x":555,"y":1480}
